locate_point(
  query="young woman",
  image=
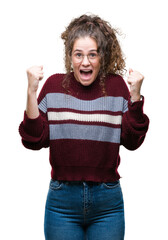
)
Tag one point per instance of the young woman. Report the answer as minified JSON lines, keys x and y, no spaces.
{"x":84,"y":116}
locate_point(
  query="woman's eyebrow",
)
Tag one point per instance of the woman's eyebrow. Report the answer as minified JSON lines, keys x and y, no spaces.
{"x":77,"y":50}
{"x":91,"y":50}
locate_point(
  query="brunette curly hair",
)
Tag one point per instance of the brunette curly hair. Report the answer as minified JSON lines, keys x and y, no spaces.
{"x":109,"y":50}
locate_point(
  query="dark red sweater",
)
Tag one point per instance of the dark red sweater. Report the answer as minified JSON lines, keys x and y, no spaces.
{"x":84,"y":129}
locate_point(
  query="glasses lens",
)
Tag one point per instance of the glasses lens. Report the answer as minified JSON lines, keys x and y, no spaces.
{"x":91,"y":57}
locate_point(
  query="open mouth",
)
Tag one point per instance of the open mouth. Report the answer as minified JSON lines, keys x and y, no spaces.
{"x":86,"y":73}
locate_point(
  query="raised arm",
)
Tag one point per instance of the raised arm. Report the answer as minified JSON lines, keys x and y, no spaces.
{"x":134,"y":123}
{"x":34,"y":127}
{"x":34,"y":75}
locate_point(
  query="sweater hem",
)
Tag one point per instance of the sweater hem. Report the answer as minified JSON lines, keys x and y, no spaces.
{"x":84,"y":174}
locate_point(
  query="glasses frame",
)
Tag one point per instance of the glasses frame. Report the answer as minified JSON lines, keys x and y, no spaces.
{"x":82,"y":56}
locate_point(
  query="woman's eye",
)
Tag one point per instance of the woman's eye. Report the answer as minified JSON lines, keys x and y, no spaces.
{"x":92,"y":55}
{"x":78,"y":55}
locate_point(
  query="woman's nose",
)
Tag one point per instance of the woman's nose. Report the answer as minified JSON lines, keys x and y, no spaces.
{"x":85,"y":60}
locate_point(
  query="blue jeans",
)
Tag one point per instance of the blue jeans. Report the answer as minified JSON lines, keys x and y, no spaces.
{"x":84,"y":211}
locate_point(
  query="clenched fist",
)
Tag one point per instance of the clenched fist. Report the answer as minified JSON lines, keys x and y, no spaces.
{"x":34,"y":75}
{"x":135,"y":80}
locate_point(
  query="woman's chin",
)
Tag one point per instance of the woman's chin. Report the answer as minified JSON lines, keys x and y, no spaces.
{"x":86,"y":82}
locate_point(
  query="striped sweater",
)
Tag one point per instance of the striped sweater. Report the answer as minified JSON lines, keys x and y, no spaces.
{"x":84,"y":129}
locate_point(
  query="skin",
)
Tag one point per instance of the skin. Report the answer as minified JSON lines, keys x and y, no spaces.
{"x":135,"y":80}
{"x":85,"y":46}
{"x":35,"y":75}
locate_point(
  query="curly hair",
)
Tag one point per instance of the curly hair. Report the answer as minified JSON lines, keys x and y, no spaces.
{"x":109,"y":50}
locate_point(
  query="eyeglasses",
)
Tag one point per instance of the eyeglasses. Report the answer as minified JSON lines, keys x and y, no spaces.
{"x":92,"y":57}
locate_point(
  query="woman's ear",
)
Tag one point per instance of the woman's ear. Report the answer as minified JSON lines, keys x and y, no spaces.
{"x":71,"y":66}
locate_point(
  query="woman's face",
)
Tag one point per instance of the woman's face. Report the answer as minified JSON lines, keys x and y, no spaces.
{"x":85,"y":60}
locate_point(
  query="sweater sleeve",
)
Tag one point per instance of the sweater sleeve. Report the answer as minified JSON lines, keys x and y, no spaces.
{"x":35,"y":132}
{"x":134,"y":125}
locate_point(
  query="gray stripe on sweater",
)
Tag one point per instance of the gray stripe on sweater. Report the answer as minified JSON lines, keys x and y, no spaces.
{"x":84,"y":132}
{"x":43,"y":105}
{"x":60,"y":100}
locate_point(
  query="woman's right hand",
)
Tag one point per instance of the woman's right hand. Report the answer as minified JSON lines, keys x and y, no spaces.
{"x":34,"y":75}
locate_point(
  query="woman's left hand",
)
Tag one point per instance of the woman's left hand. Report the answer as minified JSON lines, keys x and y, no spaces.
{"x":135,"y":80}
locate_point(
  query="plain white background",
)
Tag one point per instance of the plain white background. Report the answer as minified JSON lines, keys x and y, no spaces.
{"x":30,"y":35}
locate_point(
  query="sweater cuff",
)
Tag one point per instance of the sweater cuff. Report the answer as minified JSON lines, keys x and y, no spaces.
{"x":135,"y":110}
{"x":33,"y":127}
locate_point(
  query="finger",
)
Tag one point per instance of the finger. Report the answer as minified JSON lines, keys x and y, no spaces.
{"x":40,"y":73}
{"x":130,"y":70}
{"x":130,"y":80}
{"x":40,"y":77}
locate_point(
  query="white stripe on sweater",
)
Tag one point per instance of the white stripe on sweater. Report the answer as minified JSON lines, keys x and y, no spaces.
{"x":106,"y":118}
